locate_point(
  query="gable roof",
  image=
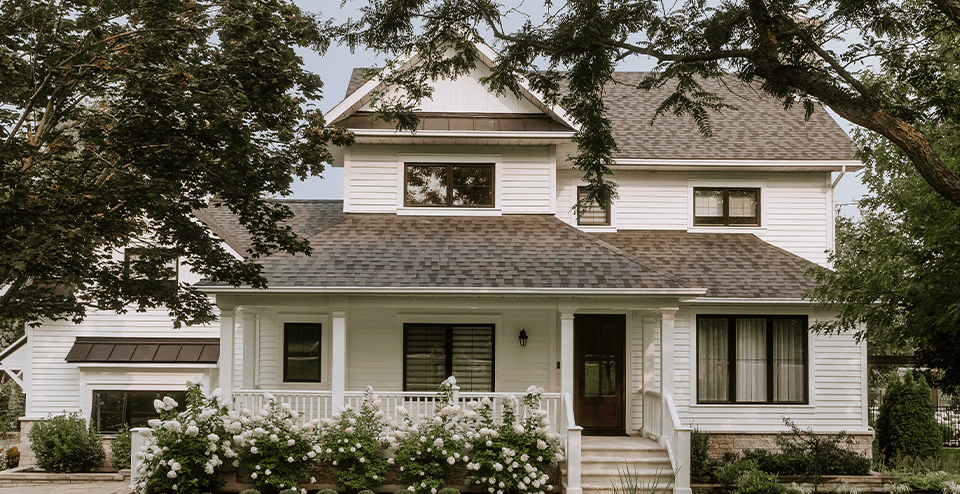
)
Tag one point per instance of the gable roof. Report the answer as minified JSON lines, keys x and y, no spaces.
{"x":536,"y":252}
{"x":760,"y":130}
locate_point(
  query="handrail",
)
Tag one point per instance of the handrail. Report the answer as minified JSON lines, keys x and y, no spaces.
{"x":571,"y":422}
{"x":674,"y":416}
{"x":572,"y":435}
{"x":652,"y":392}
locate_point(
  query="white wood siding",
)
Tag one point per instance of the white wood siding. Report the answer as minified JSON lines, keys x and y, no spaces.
{"x":835,"y":385}
{"x":468,"y":95}
{"x":795,"y":214}
{"x":55,"y":385}
{"x":374,"y":176}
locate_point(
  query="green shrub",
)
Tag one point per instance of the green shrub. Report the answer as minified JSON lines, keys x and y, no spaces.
{"x":64,"y":444}
{"x":728,"y":475}
{"x":331,"y":491}
{"x":813,"y":456}
{"x":121,"y":449}
{"x":366,"y":491}
{"x":703,"y":467}
{"x":250,"y":491}
{"x":906,"y":425}
{"x":776,"y":463}
{"x":754,"y":481}
{"x":448,"y":490}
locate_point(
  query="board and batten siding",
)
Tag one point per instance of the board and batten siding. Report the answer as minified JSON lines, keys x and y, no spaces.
{"x":795,"y":207}
{"x":835,"y":384}
{"x":467,"y":95}
{"x":374,"y":176}
{"x":54,"y":385}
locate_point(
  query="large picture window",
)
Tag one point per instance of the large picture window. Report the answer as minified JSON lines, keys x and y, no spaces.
{"x":448,"y":185}
{"x":434,"y":352}
{"x":726,"y":207}
{"x":301,"y":352}
{"x":594,"y":215}
{"x":112,"y":410}
{"x":751,"y":359}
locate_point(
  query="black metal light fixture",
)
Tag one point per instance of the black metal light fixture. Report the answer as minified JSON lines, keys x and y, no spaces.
{"x":523,"y":337}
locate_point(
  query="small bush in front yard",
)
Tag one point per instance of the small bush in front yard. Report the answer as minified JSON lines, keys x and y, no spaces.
{"x":703,"y":467}
{"x":64,"y":444}
{"x":754,"y":481}
{"x":906,"y":425}
{"x":352,"y":443}
{"x":121,"y":449}
{"x":274,"y":448}
{"x":817,"y":455}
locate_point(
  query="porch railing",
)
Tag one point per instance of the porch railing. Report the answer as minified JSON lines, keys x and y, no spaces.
{"x":319,"y":404}
{"x":570,"y":432}
{"x":652,"y":414}
{"x":676,"y":438}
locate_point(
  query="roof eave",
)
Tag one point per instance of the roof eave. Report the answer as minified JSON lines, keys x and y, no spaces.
{"x":735,"y":165}
{"x":682,"y":293}
{"x":749,"y":301}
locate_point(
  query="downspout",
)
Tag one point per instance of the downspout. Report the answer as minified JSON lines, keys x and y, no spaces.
{"x":843,"y":170}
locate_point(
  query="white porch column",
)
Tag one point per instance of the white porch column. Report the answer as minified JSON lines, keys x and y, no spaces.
{"x":649,"y":355}
{"x":251,"y":321}
{"x":338,"y":360}
{"x":666,"y":365}
{"x":566,"y":353}
{"x":225,"y":364}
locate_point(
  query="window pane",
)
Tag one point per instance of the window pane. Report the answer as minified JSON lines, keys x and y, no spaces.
{"x":789,"y":379}
{"x":472,"y":185}
{"x":744,"y":205}
{"x":302,"y":352}
{"x":713,"y":363}
{"x":473,"y":357}
{"x":426,"y":185}
{"x":751,"y":359}
{"x":426,"y":359}
{"x":108,"y":410}
{"x":594,"y":215}
{"x":708,"y":207}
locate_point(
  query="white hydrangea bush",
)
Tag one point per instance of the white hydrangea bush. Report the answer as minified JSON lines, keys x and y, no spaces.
{"x":353,"y":443}
{"x":182,"y":450}
{"x":276,"y":450}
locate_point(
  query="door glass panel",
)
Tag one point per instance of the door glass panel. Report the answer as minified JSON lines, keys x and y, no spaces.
{"x":591,"y":377}
{"x":608,"y":381}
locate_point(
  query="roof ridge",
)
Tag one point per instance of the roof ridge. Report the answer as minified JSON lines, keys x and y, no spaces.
{"x":217,"y":229}
{"x":636,"y":260}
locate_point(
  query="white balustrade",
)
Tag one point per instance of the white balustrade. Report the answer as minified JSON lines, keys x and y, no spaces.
{"x":652,"y":414}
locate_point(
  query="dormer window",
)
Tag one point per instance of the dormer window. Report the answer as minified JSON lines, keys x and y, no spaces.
{"x":726,"y":207}
{"x":593,"y":215}
{"x":449,"y":185}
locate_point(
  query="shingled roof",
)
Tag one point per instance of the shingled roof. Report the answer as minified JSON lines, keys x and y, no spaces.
{"x":309,"y":215}
{"x":759,"y":130}
{"x":729,"y":265}
{"x":519,"y":251}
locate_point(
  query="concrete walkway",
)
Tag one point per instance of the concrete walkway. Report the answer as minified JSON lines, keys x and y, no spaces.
{"x":80,"y":488}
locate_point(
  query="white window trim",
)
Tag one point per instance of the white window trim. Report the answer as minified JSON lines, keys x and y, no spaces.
{"x":496,"y":159}
{"x":728,"y":184}
{"x":575,"y":185}
{"x":120,"y":379}
{"x":326,"y":328}
{"x":766,"y":408}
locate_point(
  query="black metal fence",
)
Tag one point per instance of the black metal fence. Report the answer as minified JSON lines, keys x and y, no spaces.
{"x":948,"y":418}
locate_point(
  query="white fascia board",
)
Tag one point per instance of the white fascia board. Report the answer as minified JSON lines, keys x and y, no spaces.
{"x":748,"y":301}
{"x":460,"y":134}
{"x":357,"y":99}
{"x":799,"y":165}
{"x":142,"y":367}
{"x":684,"y":293}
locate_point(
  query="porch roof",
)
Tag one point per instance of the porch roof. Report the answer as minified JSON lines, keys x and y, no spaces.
{"x":535,"y":252}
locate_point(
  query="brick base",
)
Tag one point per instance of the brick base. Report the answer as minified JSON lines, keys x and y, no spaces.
{"x":722,"y":442}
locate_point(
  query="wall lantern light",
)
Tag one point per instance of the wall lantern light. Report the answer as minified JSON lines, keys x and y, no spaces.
{"x":523,"y":337}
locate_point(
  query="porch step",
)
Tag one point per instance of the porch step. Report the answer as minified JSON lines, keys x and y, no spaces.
{"x":603,"y":460}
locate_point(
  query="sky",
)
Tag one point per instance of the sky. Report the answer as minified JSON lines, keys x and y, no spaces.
{"x":335,"y":67}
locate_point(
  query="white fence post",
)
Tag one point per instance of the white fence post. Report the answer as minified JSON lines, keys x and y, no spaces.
{"x":136,"y":442}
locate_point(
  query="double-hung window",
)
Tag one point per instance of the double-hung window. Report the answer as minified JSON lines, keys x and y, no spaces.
{"x":752,"y":359}
{"x":301,"y":352}
{"x":434,"y":352}
{"x":726,"y":207}
{"x":462,"y":185}
{"x":593,"y":215}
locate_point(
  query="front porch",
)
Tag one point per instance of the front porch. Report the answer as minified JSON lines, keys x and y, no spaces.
{"x":367,"y":344}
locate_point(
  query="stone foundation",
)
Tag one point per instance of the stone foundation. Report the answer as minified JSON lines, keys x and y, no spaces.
{"x":737,"y":442}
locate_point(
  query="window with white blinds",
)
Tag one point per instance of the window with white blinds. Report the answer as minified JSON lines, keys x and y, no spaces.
{"x":749,"y":359}
{"x":593,"y":215}
{"x":433,"y":352}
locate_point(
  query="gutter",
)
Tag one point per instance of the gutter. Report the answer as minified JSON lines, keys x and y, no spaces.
{"x":488,"y":291}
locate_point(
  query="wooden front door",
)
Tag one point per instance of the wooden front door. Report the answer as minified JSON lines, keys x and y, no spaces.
{"x":599,"y":342}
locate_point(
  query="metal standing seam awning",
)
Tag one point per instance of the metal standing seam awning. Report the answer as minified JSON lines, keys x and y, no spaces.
{"x":141,"y":351}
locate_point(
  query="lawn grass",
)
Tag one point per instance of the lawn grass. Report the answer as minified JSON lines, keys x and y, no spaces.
{"x":951,"y":460}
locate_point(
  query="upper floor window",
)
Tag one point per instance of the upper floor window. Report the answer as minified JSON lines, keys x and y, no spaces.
{"x":594,"y":215}
{"x":301,"y":352}
{"x":449,"y":185}
{"x":752,"y":359}
{"x":726,"y":207}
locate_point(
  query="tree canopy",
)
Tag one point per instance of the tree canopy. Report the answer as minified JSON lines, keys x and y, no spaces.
{"x":119,"y":119}
{"x":896,"y":268}
{"x":803,"y":52}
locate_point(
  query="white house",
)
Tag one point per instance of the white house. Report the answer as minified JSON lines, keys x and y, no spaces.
{"x":454,"y":251}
